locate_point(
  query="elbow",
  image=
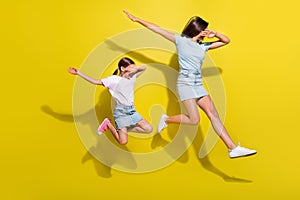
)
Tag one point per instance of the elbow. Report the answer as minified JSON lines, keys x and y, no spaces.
{"x":141,"y":68}
{"x":227,"y":41}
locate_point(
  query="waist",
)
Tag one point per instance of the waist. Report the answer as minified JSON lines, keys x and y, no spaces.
{"x":124,"y":107}
{"x":190,"y":71}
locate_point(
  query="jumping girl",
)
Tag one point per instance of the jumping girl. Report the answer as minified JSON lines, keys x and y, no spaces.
{"x":121,"y":87}
{"x":191,"y":51}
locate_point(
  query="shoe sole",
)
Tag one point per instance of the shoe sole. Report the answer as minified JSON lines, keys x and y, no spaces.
{"x":251,"y":154}
{"x":163,"y":117}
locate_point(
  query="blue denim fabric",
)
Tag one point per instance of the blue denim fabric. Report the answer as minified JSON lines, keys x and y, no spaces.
{"x":126,"y":116}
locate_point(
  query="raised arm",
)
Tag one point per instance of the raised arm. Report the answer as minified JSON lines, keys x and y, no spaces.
{"x":136,"y":70}
{"x":153,"y":27}
{"x":75,"y":71}
{"x":222,"y":39}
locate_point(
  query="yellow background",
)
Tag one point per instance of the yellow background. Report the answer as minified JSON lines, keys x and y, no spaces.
{"x":42,"y":156}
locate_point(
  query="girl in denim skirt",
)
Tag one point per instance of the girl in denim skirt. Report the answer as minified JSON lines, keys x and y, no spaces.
{"x":121,"y":87}
{"x":191,"y":51}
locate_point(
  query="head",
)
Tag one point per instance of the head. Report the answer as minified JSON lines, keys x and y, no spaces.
{"x":123,"y":63}
{"x":194,"y":26}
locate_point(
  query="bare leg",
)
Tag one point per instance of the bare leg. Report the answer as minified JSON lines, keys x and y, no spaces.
{"x":113,"y":130}
{"x":142,"y":127}
{"x":120,"y":135}
{"x":123,"y":137}
{"x":192,"y":118}
{"x":207,"y":105}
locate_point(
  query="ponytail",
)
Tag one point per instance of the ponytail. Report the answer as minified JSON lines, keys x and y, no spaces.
{"x":116,"y":72}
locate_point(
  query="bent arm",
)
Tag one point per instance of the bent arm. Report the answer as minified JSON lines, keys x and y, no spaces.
{"x":137,"y":70}
{"x":222,"y":41}
{"x":153,"y":27}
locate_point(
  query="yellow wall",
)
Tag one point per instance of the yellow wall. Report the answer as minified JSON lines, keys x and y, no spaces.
{"x":42,"y":156}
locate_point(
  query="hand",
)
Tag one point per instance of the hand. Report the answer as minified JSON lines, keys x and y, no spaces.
{"x":127,"y":75}
{"x":130,"y":71}
{"x":130,"y":16}
{"x":208,"y":33}
{"x":73,"y":70}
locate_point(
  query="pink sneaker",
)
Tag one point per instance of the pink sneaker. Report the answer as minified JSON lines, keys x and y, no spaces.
{"x":103,"y":126}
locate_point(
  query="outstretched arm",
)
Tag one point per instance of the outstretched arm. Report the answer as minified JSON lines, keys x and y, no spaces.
{"x":222,"y":39}
{"x":153,"y":27}
{"x":75,"y":71}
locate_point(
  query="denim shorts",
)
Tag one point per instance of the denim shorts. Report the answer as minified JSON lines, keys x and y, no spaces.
{"x":190,"y":86}
{"x":126,"y":116}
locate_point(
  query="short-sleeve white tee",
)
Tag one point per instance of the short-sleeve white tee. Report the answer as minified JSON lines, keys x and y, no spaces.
{"x":121,"y":89}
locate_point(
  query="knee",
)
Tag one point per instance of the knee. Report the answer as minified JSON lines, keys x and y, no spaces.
{"x":213,"y":115}
{"x":148,"y":129}
{"x":194,"y":120}
{"x":123,"y":141}
{"x":123,"y":138}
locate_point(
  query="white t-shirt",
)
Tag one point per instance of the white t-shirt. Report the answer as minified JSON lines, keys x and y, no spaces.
{"x":121,"y":89}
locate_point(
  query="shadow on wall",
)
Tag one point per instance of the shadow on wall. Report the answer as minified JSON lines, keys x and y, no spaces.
{"x":103,"y":109}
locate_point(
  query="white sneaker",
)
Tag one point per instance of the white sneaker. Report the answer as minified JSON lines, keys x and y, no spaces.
{"x":162,"y":124}
{"x":240,"y":152}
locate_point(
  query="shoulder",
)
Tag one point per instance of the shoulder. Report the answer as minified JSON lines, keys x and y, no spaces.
{"x":110,"y":80}
{"x":182,"y":40}
{"x":178,"y":37}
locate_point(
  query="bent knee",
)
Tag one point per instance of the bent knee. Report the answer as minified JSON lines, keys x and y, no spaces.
{"x":123,"y":141}
{"x":148,"y":129}
{"x":194,"y":120}
{"x":123,"y":138}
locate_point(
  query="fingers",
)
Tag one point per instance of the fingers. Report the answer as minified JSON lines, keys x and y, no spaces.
{"x":127,"y":13}
{"x":208,"y":33}
{"x":73,"y":70}
{"x":130,"y":69}
{"x":204,"y":33}
{"x":130,"y":16}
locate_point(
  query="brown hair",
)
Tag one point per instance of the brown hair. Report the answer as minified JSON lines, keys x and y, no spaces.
{"x":124,"y":62}
{"x":194,"y":26}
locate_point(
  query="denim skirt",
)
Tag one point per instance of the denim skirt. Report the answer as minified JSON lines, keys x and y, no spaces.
{"x":126,"y":116}
{"x":190,"y":86}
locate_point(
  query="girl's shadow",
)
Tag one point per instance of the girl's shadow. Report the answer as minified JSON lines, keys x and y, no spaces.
{"x":103,"y":109}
